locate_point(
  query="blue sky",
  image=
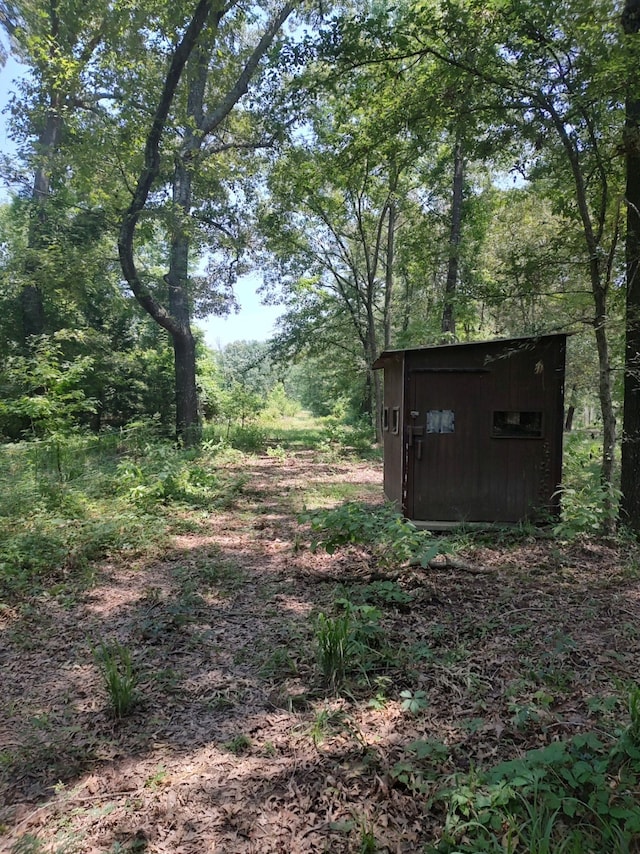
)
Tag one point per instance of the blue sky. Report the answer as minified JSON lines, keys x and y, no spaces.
{"x":254,"y":322}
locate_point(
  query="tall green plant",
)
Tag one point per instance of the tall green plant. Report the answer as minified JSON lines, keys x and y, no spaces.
{"x":119,"y":677}
{"x":45,"y":389}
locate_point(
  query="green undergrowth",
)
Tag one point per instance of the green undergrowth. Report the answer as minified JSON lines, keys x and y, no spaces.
{"x":571,"y":795}
{"x":69,"y":501}
{"x":393,"y":539}
{"x":587,"y":506}
{"x":329,"y":437}
{"x":576,"y":795}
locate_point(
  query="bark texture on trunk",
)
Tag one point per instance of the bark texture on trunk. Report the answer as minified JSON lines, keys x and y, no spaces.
{"x":389,"y":278}
{"x":630,"y":468}
{"x":187,"y":410}
{"x":593,"y":229}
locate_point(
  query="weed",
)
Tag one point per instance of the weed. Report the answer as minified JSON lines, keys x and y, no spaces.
{"x":414,"y":701}
{"x":238,"y":745}
{"x":628,"y":745}
{"x":332,"y":640}
{"x":353,"y":641}
{"x":429,"y":749}
{"x":156,"y":780}
{"x":329,"y":722}
{"x":277,"y":453}
{"x":633,"y":730}
{"x":570,"y":796}
{"x":368,"y":844}
{"x":394,"y":539}
{"x":251,"y":438}
{"x":584,"y":499}
{"x":379,"y":702}
{"x":119,"y":677}
{"x":27,"y":844}
{"x":386,"y":593}
{"x":220,"y":701}
{"x":279,"y":663}
{"x":421,"y":766}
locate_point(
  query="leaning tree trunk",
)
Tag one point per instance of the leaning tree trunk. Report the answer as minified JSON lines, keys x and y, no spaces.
{"x":180,"y":333}
{"x":630,"y":469}
{"x":448,"y":313}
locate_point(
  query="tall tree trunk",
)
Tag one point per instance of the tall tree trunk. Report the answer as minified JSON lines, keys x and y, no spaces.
{"x":630,"y":470}
{"x":374,"y":384}
{"x":455,"y":233}
{"x":390,"y":254}
{"x":388,"y":275}
{"x":188,"y":426}
{"x":606,"y":408}
{"x":571,"y":409}
{"x":184,"y":349}
{"x":175,"y":317}
{"x":600,"y":282}
{"x":187,"y":412}
{"x":31,"y":297}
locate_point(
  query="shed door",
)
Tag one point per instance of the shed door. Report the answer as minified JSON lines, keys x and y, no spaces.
{"x":449,"y":451}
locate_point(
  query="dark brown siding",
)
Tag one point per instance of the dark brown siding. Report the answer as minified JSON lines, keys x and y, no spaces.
{"x":482,"y":429}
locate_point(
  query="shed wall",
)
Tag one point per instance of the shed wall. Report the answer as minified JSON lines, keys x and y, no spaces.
{"x":481,"y":432}
{"x":393,"y":408}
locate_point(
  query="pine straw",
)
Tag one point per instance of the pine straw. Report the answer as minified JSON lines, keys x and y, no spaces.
{"x":219,"y":755}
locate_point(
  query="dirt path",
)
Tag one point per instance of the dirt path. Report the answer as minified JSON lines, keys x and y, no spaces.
{"x":235,"y":746}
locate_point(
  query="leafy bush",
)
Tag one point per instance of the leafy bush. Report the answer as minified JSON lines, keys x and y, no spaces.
{"x":584,"y":509}
{"x":587,"y":507}
{"x":394,"y":539}
{"x":251,"y":438}
{"x":576,"y":795}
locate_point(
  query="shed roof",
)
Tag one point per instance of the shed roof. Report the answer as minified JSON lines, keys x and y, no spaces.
{"x":393,"y":355}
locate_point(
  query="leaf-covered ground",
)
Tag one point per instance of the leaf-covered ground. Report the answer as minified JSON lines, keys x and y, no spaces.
{"x":236,"y":745}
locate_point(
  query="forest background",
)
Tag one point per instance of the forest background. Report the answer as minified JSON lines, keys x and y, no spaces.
{"x":398,"y":175}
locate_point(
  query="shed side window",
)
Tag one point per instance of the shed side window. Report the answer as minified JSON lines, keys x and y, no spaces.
{"x":395,"y":420}
{"x":517,"y":425}
{"x":385,"y":418}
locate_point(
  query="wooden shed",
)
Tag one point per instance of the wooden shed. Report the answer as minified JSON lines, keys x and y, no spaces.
{"x":473,"y":432}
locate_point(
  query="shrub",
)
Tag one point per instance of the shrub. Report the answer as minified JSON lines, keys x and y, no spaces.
{"x":394,"y":540}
